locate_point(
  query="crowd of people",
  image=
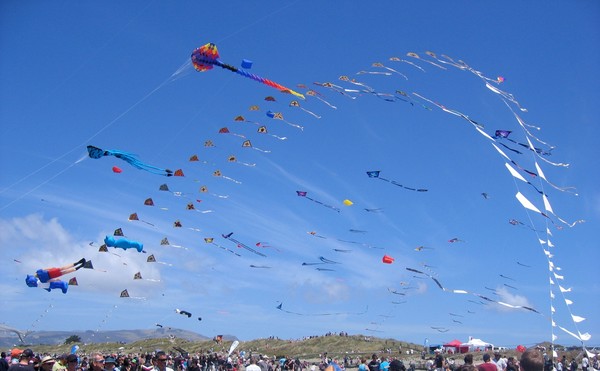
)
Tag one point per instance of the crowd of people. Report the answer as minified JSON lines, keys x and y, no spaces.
{"x":530,"y":360}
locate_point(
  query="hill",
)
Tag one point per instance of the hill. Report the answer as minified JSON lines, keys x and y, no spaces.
{"x":118,"y":336}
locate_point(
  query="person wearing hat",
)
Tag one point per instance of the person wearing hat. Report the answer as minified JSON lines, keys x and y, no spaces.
{"x":23,"y":364}
{"x":110,"y":364}
{"x":47,"y":363}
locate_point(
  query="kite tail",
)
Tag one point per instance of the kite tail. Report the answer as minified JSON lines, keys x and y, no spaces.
{"x":268,"y":82}
{"x":133,"y":161}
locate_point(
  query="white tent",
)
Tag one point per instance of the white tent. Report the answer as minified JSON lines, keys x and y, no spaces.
{"x":475,"y":345}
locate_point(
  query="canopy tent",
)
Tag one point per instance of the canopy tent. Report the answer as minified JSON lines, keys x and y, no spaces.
{"x":476,"y":345}
{"x":454,"y":347}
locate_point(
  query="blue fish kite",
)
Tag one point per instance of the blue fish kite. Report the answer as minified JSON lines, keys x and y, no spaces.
{"x":96,"y":153}
{"x":123,"y":243}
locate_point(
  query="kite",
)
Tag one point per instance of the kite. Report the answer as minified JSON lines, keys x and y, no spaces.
{"x":387,"y":259}
{"x":455,"y":239}
{"x":96,"y":153}
{"x":117,"y":170}
{"x":34,"y":281}
{"x":270,"y":98}
{"x":103,"y":248}
{"x":183,"y":312}
{"x":264,"y":245}
{"x":503,"y":134}
{"x":396,"y":59}
{"x":73,"y":281}
{"x":415,"y":55}
{"x":138,"y":276}
{"x":295,"y":103}
{"x":123,"y":243}
{"x":218,"y":173}
{"x":232,"y":158}
{"x":348,"y":202}
{"x":454,"y":291}
{"x":46,"y":275}
{"x":304,"y":194}
{"x":190,"y":206}
{"x":315,"y":94}
{"x":207,"y":56}
{"x":240,"y":244}
{"x":396,"y":292}
{"x":248,"y":144}
{"x":375,"y":174}
{"x":225,"y":130}
{"x":204,"y":189}
{"x":125,"y":294}
{"x":150,"y":202}
{"x":353,"y":81}
{"x":152,"y":259}
{"x":118,"y":232}
{"x":211,"y":241}
{"x":241,"y":118}
{"x":134,"y":216}
{"x":280,"y":307}
{"x":323,"y":261}
{"x":279,"y":116}
{"x":338,"y":89}
{"x":259,"y":266}
{"x":380,"y":65}
{"x":419,"y":248}
{"x":263,"y":130}
{"x":165,"y":242}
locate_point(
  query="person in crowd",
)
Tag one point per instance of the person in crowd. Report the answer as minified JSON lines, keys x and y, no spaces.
{"x":531,"y":360}
{"x":374,"y":363}
{"x":253,"y":366}
{"x":72,"y":362}
{"x":487,"y":364}
{"x":23,"y":364}
{"x":160,"y":361}
{"x":499,"y":361}
{"x":47,"y":363}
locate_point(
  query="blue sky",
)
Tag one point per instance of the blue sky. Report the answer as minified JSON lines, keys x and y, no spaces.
{"x":117,"y":75}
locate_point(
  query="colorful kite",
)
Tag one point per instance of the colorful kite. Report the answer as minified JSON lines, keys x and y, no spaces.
{"x":240,"y":244}
{"x":96,"y":153}
{"x":207,"y":56}
{"x":375,"y":174}
{"x":304,"y":194}
{"x":46,"y":275}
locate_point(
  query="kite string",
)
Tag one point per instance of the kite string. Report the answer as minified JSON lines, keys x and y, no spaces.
{"x":83,"y":144}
